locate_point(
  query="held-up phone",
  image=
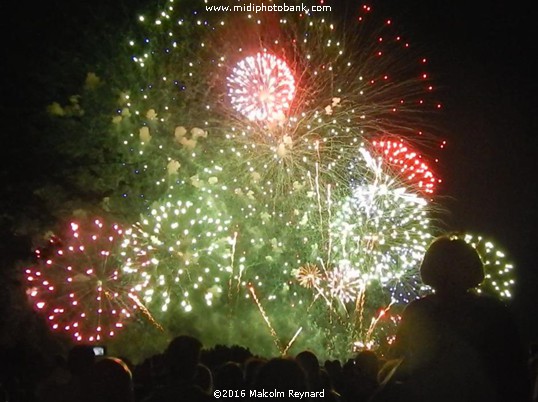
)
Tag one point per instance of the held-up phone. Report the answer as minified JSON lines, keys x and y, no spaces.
{"x":99,"y":350}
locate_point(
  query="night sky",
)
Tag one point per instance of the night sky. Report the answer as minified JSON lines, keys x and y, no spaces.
{"x":481,"y":56}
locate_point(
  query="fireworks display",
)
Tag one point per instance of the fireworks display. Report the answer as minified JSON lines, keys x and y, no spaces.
{"x":78,"y":284}
{"x":316,"y":90}
{"x":273,"y":165}
{"x":261,"y":87}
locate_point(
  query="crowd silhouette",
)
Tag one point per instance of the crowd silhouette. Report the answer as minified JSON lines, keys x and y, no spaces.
{"x":452,"y":345}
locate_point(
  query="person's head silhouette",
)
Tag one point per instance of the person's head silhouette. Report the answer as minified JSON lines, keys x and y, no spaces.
{"x":112,"y":381}
{"x":182,"y":357}
{"x":451,"y":265}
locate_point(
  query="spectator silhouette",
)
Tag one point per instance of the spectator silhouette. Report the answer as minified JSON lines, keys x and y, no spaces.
{"x":181,"y":359}
{"x":310,"y":364}
{"x":351,"y":381}
{"x":455,"y":345}
{"x":334,"y":369}
{"x":251,"y":369}
{"x":80,"y":362}
{"x":55,"y":382}
{"x":366,"y":371}
{"x":330,"y":392}
{"x":204,"y":378}
{"x":281,"y":374}
{"x":229,"y":376}
{"x":111,"y":381}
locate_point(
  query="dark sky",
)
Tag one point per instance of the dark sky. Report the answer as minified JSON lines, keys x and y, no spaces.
{"x":481,"y":53}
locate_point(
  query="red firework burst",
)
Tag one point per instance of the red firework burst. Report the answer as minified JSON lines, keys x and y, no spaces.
{"x":408,"y":163}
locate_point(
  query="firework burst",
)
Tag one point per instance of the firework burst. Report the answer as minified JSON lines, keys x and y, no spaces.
{"x":344,"y":282}
{"x":261,"y":87}
{"x":79,"y":286}
{"x":179,"y":252}
{"x":498,"y":270}
{"x":382,"y":228}
{"x":309,"y":276}
{"x":407,"y":163}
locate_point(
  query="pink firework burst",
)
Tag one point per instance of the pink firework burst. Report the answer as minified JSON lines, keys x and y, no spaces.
{"x":77,"y":283}
{"x":261,"y":87}
{"x":408,"y":163}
